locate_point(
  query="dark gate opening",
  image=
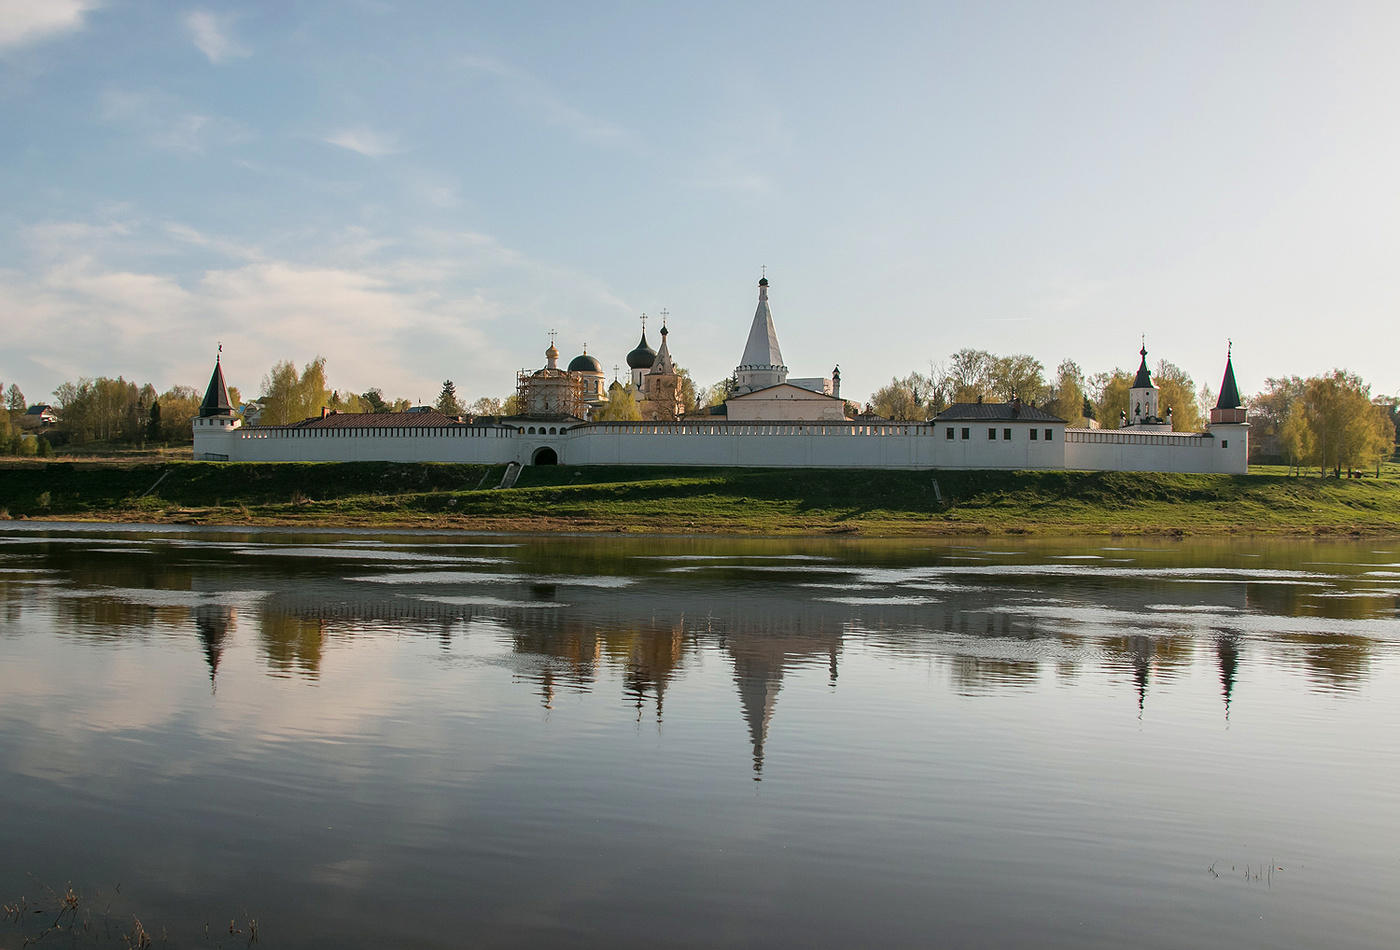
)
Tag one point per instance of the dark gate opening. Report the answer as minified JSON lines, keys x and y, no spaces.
{"x":545,"y":456}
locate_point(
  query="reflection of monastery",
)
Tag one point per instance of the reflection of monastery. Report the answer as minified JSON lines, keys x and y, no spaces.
{"x":769,"y":420}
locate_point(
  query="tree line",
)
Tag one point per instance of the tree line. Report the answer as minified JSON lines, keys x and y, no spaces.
{"x":1329,"y":421}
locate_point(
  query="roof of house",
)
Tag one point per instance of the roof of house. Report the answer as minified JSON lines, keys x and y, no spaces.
{"x":770,"y":391}
{"x":39,"y":409}
{"x":994,"y":412}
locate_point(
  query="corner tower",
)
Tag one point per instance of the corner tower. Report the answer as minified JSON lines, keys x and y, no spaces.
{"x":762,"y":364}
{"x":215,"y":425}
{"x":1229,"y":423}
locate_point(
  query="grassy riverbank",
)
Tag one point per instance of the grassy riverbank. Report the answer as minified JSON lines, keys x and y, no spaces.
{"x":769,"y":501}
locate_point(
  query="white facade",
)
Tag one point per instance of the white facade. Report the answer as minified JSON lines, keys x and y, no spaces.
{"x":738,"y":444}
{"x":785,"y":403}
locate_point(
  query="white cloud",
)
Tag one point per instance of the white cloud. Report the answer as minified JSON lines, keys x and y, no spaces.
{"x":536,"y":95}
{"x":210,"y":33}
{"x":29,"y":21}
{"x":160,"y":118}
{"x":366,"y":141}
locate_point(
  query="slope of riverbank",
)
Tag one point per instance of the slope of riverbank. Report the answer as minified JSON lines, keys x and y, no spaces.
{"x":748,"y":501}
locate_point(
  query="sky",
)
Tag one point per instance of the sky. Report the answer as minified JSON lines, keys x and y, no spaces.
{"x":420,"y":191}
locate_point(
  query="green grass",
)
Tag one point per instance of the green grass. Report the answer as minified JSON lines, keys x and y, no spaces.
{"x":763,"y":501}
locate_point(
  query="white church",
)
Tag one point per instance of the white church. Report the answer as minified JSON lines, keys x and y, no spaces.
{"x":770,"y":420}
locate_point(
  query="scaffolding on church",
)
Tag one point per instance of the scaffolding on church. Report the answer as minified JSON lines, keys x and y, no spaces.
{"x":551,"y":392}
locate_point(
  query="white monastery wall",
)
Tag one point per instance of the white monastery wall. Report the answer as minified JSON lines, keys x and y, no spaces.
{"x":757,"y":444}
{"x":1223,"y":449}
{"x":814,"y":445}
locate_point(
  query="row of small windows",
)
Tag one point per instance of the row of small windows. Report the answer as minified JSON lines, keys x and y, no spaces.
{"x":1005,"y":434}
{"x":552,"y":430}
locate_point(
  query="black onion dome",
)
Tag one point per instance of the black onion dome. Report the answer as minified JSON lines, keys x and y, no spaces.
{"x":643,"y":356}
{"x":585,"y":364}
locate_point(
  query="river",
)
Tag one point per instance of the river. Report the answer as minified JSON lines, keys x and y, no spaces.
{"x":424,"y":740}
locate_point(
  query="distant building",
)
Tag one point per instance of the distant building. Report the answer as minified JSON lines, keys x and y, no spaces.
{"x":769,"y":420}
{"x":38,"y":418}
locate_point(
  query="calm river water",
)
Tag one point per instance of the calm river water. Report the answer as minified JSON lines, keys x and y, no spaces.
{"x":442,"y":741}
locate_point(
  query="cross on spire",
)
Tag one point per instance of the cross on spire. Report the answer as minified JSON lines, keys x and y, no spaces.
{"x":644,"y":324}
{"x":1229,"y":345}
{"x":664,"y":315}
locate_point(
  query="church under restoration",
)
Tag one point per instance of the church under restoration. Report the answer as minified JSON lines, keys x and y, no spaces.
{"x":769,"y":421}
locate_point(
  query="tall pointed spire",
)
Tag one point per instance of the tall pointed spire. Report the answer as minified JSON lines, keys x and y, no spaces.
{"x":762,"y":364}
{"x":1144,"y":378}
{"x":663,"y":365}
{"x":216,"y":396}
{"x":762,"y":351}
{"x":1229,"y":391}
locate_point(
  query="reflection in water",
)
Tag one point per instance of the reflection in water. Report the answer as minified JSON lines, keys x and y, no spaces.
{"x":1227,"y":654}
{"x":214,"y":623}
{"x":862,"y":737}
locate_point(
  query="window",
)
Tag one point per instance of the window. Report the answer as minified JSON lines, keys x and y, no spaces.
{"x":1034,"y":433}
{"x":967,"y":433}
{"x":1049,"y":434}
{"x":950,"y":432}
{"x":992,"y":434}
{"x":1006,"y":434}
{"x":1224,"y":443}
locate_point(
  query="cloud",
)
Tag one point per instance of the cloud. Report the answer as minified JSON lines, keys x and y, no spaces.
{"x":30,"y":21}
{"x":533,"y":94}
{"x":210,"y":33}
{"x":160,"y":118}
{"x":366,"y":142}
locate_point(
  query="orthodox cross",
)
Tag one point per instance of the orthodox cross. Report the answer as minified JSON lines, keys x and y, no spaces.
{"x":644,"y":324}
{"x":1229,"y":345}
{"x":552,"y":334}
{"x":664,"y":315}
{"x":615,"y":369}
{"x":764,"y":268}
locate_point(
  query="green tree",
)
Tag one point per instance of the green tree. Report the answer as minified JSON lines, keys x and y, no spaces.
{"x":1343,"y":422}
{"x":178,"y":407}
{"x":968,"y":377}
{"x":288,"y":397}
{"x":153,"y":429}
{"x":14,"y":399}
{"x":1295,"y":436}
{"x":375,"y":400}
{"x":621,"y":405}
{"x":447,"y":403}
{"x":1019,"y":375}
{"x":486,"y":406}
{"x":1112,"y":399}
{"x":1176,"y":391}
{"x":718,"y":393}
{"x":1268,"y":412}
{"x":1067,"y":397}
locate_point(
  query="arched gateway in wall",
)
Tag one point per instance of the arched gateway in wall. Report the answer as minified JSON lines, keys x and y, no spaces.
{"x":545,"y":456}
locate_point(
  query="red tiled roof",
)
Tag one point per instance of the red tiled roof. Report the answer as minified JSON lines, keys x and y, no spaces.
{"x":376,"y":420}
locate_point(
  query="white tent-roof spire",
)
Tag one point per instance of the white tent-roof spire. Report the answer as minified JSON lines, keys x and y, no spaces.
{"x":762,"y":364}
